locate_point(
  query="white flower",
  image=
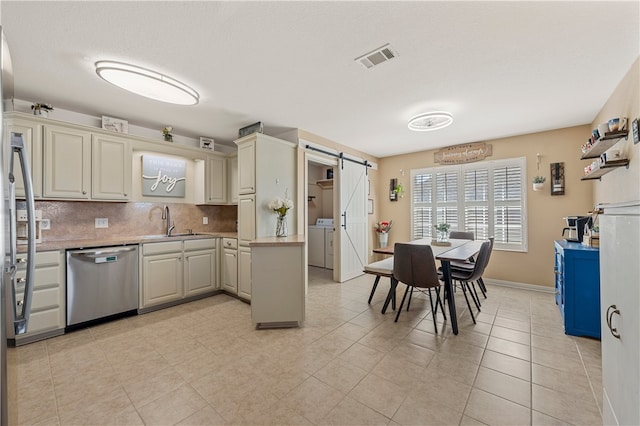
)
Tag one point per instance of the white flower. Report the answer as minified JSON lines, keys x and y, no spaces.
{"x":280,"y":205}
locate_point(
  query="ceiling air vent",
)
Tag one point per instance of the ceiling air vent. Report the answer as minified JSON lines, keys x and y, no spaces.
{"x":378,"y":56}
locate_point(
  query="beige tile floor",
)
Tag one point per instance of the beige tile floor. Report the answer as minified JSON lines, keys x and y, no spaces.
{"x":203,"y":363}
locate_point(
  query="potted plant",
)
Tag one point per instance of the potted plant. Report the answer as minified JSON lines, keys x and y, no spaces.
{"x":382,"y":229}
{"x":442,"y":232}
{"x":41,"y":109}
{"x":399,"y":190}
{"x":166,"y":133}
{"x":538,"y":183}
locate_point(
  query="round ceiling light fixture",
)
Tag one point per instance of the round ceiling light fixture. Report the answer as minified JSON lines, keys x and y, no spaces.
{"x":431,"y":121}
{"x":147,"y":83}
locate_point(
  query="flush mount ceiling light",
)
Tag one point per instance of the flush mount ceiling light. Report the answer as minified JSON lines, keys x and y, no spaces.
{"x":430,"y":121}
{"x":147,"y":83}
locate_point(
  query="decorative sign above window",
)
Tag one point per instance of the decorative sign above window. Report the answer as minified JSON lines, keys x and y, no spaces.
{"x":163,"y":177}
{"x":465,"y":153}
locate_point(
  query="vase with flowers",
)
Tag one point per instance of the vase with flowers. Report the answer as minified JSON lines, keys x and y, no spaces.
{"x":442,"y":232}
{"x":382,"y":229}
{"x":281,"y":206}
{"x":167,"y":135}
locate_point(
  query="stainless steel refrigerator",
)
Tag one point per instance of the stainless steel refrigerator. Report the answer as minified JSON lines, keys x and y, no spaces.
{"x":14,"y":309}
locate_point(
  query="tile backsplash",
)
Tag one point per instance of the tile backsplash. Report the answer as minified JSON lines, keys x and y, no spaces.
{"x":76,"y":219}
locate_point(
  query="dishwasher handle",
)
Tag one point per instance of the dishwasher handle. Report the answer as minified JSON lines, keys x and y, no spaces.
{"x":101,"y":252}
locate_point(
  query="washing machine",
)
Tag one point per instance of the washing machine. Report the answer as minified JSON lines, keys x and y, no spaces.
{"x":320,"y":238}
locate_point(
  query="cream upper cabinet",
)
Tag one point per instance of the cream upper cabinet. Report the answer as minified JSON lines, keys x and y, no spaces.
{"x":32,"y":136}
{"x":247,"y":167}
{"x":111,"y":168}
{"x":233,"y":179}
{"x":67,"y":163}
{"x":216,"y":180}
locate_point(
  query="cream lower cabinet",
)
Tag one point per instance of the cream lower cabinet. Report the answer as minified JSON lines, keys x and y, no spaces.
{"x":67,"y":163}
{"x":48,"y":306}
{"x":200,"y":266}
{"x":230,"y":265}
{"x":32,"y":137}
{"x":162,"y":280}
{"x":175,"y":270}
{"x":244,"y":272}
{"x":110,"y":168}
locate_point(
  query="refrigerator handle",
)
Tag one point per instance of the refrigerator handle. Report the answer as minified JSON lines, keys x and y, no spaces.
{"x":21,"y":319}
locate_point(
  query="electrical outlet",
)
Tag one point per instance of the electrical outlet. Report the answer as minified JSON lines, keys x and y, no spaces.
{"x":205,"y":220}
{"x":45,"y":224}
{"x":102,"y":222}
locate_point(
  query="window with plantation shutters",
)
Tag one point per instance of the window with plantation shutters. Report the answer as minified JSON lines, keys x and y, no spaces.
{"x":487,"y":198}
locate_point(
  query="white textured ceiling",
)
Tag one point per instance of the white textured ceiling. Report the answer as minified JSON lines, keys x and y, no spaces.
{"x":501,"y":68}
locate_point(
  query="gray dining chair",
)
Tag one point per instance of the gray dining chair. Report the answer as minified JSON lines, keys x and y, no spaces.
{"x":469,"y":276}
{"x":469,"y":265}
{"x":415,"y":266}
{"x":462,"y":235}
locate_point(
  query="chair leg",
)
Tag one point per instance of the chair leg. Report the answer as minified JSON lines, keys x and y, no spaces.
{"x":464,"y":291}
{"x":433,"y":312}
{"x":439,"y":301}
{"x":401,"y":304}
{"x":474,"y":297}
{"x":483,"y":288}
{"x":473,"y":286}
{"x":393,"y":297}
{"x":409,"y":301}
{"x":373,"y":289}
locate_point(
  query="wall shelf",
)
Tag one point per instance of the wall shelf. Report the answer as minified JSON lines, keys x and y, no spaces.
{"x":603,"y":144}
{"x":605,"y":168}
{"x":325,"y":183}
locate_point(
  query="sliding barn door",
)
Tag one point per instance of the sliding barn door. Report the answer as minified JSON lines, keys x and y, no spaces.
{"x":352,"y":223}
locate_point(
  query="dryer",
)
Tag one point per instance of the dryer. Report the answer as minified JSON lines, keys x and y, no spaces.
{"x":321,"y":243}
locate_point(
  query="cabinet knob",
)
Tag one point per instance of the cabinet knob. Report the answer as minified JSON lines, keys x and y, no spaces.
{"x":22,"y":260}
{"x":21,"y":280}
{"x":125,"y":194}
{"x":84,"y":192}
{"x":20,"y":303}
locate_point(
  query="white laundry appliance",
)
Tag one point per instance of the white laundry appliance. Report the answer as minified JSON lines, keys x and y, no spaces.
{"x":321,"y":243}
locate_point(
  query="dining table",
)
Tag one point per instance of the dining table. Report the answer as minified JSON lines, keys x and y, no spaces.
{"x":454,"y":250}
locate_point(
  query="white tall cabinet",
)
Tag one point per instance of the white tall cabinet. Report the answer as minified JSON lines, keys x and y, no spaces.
{"x":620,"y":299}
{"x":266,"y":169}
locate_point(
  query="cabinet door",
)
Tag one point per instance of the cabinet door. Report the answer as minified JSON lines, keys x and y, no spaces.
{"x":216,"y":183}
{"x":32,"y":136}
{"x":619,"y":267}
{"x":67,"y":163}
{"x":233,"y":180}
{"x":247,"y":168}
{"x":111,"y":168}
{"x":230,"y":271}
{"x":161,"y":279}
{"x":244,"y":272}
{"x":246,"y":219}
{"x":199,"y":272}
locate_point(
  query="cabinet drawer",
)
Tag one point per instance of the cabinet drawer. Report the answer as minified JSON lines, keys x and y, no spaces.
{"x":42,"y":258}
{"x":44,"y":277}
{"x":47,"y":298}
{"x":230,"y":243}
{"x":165,"y":247}
{"x":206,"y":244}
{"x":44,"y":321}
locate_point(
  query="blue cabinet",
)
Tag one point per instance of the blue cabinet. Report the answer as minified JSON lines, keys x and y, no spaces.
{"x":577,"y":272}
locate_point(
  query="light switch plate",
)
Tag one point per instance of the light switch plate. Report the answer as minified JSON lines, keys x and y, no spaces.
{"x":205,"y":220}
{"x":102,"y":222}
{"x":45,"y":224}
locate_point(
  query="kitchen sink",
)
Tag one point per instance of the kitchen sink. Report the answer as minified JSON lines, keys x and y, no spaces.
{"x":183,"y":234}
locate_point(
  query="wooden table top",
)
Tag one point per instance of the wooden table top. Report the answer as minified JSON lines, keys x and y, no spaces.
{"x":437,"y":249}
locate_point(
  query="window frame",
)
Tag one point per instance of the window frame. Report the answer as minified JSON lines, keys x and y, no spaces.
{"x":460,"y":169}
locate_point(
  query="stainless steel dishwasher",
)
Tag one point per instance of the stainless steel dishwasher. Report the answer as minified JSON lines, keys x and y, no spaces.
{"x":101,"y":282}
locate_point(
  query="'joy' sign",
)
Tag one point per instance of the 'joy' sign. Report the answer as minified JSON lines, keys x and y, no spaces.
{"x":163,"y":177}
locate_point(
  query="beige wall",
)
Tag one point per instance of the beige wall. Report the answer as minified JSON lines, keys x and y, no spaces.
{"x":545,"y":212}
{"x":622,"y":184}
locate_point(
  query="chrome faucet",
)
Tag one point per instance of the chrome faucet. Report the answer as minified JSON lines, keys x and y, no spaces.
{"x":166,"y":215}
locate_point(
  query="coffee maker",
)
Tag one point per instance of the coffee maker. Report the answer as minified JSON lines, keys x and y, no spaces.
{"x":575,"y":228}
